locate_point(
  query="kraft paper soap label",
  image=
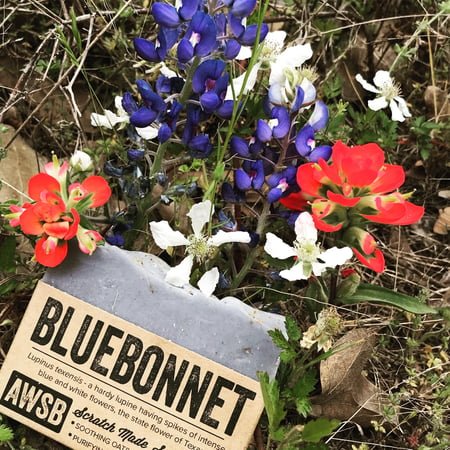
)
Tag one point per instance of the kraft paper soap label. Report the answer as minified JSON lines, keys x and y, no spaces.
{"x":89,"y":379}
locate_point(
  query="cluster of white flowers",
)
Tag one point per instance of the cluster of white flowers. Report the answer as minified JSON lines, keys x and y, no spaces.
{"x":200,"y":247}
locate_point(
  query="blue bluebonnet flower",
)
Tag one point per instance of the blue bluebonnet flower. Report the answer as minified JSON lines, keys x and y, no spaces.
{"x":306,"y":145}
{"x":156,"y":52}
{"x":200,"y":38}
{"x":135,"y":154}
{"x":278,"y":126}
{"x":251,"y":176}
{"x":241,"y":8}
{"x":225,"y":111}
{"x":193,"y":118}
{"x":246,"y":35}
{"x":154,"y":106}
{"x":200,"y":146}
{"x":230,"y":194}
{"x":210,"y":82}
{"x":125,"y":107}
{"x":171,"y":16}
{"x":226,"y":223}
{"x":305,"y":142}
{"x":280,"y":182}
{"x":129,"y":104}
{"x":168,"y":82}
{"x":241,"y":147}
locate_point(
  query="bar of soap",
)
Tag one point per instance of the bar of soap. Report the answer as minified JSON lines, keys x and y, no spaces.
{"x":131,"y":286}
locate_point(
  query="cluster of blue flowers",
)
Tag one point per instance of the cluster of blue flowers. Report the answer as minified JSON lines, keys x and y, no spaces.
{"x":201,"y":40}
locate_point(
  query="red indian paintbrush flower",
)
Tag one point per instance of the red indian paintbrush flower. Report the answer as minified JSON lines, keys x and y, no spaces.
{"x":55,"y":214}
{"x":357,"y":187}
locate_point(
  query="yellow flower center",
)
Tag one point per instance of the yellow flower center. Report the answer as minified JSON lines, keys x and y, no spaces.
{"x":199,"y":248}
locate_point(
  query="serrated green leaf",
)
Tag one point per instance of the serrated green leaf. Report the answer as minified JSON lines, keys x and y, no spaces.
{"x":292,"y":329}
{"x":275,"y":406}
{"x":378,"y":294}
{"x":315,"y":430}
{"x":6,"y":434}
{"x":278,"y":339}
{"x":301,"y":390}
{"x":288,"y":352}
{"x":305,"y":385}
{"x":303,"y":406}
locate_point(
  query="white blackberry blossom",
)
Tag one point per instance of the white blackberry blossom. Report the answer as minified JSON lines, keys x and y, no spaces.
{"x":200,"y":247}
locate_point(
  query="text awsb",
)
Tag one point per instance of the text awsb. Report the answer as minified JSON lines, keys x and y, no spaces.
{"x":36,"y":401}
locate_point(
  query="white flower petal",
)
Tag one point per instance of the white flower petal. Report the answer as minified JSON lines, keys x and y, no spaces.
{"x":305,"y":228}
{"x":208,"y":282}
{"x":81,"y":161}
{"x":179,"y":275}
{"x":167,"y":72}
{"x":396,"y":113}
{"x":294,"y":56}
{"x":148,"y":133}
{"x":382,"y":78}
{"x":118,"y":104}
{"x":275,"y":95}
{"x":294,"y":273}
{"x":276,"y":248}
{"x":403,"y":106}
{"x":367,"y":86}
{"x":238,"y":83}
{"x":309,"y":90}
{"x":200,"y":213}
{"x":275,"y":39}
{"x":318,"y":268}
{"x":335,"y":256}
{"x":377,"y":103}
{"x":244,"y":53}
{"x":165,"y":236}
{"x":277,"y":75}
{"x":222,"y":237}
{"x":107,"y":120}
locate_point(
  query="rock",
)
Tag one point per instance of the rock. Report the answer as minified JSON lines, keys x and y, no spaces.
{"x":131,"y":285}
{"x":20,"y":164}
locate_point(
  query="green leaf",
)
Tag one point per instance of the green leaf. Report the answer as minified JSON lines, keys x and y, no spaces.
{"x":315,"y":430}
{"x":315,"y":447}
{"x":7,"y":250}
{"x":6,"y":434}
{"x":75,"y":31}
{"x":292,"y":329}
{"x":288,"y":352}
{"x":275,"y":406}
{"x":348,"y":286}
{"x":378,"y":294}
{"x":304,"y":386}
{"x":303,"y":406}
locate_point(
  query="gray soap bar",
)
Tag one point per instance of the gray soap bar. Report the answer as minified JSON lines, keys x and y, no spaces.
{"x":131,"y":286}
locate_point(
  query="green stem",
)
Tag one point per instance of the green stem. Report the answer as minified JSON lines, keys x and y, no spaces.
{"x":255,"y":251}
{"x":184,"y":96}
{"x":425,"y":23}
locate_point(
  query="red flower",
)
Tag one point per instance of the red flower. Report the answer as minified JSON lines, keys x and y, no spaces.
{"x":55,"y":214}
{"x":356,"y":187}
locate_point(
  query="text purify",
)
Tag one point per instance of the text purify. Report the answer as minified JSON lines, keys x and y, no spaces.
{"x":145,"y":368}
